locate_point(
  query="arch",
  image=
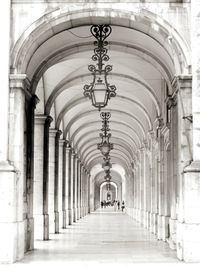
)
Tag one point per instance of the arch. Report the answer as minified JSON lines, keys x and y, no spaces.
{"x":47,"y":26}
{"x":80,"y":116}
{"x":93,"y":141}
{"x":114,"y":154}
{"x":94,"y":123}
{"x":122,"y":149}
{"x":67,"y":83}
{"x":95,"y":161}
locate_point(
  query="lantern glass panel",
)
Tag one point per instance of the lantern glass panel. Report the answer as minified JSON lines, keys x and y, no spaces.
{"x":99,"y":93}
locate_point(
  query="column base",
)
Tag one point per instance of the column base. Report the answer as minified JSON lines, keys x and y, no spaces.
{"x":172,"y":233}
{"x":46,"y":227}
{"x":153,"y":223}
{"x":147,"y":220}
{"x":51,"y":222}
{"x":82,"y":211}
{"x":56,"y":222}
{"x":70,"y":216}
{"x":41,"y":228}
{"x":78,"y":213}
{"x":64,"y":219}
{"x":138,"y":215}
{"x":12,"y":245}
{"x":29,"y":234}
{"x":163,"y":227}
{"x":74,"y":215}
{"x":188,"y":242}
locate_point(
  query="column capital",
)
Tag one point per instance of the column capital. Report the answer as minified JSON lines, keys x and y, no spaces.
{"x":67,"y":146}
{"x":158,"y":123}
{"x":52,"y":132}
{"x":61,"y":142}
{"x":40,"y":119}
{"x":73,"y":152}
{"x":172,"y":100}
{"x":58,"y":134}
{"x":20,"y":81}
{"x":48,"y":120}
{"x":35,"y":100}
{"x":180,"y":79}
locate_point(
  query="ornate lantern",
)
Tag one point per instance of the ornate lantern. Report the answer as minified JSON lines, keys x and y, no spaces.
{"x":99,"y":91}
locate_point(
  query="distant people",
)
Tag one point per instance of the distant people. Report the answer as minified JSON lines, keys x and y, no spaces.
{"x":123,"y":206}
{"x":118,"y":204}
{"x":101,"y":204}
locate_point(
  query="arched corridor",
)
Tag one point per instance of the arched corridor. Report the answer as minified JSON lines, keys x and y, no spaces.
{"x":54,"y":172}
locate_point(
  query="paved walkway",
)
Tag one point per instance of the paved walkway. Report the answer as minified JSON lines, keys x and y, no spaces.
{"x":105,"y":238}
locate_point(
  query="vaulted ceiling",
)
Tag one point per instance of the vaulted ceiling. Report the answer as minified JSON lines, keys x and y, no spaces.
{"x":142,"y":66}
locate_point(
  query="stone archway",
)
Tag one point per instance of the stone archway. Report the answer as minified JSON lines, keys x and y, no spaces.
{"x":26,"y":60}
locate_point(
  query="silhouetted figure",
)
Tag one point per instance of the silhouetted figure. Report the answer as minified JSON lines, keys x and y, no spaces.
{"x":123,"y":206}
{"x":118,"y":204}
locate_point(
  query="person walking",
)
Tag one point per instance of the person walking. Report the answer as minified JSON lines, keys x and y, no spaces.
{"x":123,"y":206}
{"x":118,"y":204}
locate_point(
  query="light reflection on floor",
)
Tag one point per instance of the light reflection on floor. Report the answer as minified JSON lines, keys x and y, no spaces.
{"x":105,"y":238}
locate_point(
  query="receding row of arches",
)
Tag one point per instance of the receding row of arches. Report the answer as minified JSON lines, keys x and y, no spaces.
{"x":54,"y":130}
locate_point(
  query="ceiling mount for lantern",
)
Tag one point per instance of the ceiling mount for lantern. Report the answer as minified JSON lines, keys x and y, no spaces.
{"x":99,"y":91}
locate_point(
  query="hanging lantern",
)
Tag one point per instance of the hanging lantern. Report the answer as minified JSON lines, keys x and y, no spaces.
{"x":108,"y":187}
{"x":100,"y":91}
{"x":107,"y":165}
{"x":105,"y":146}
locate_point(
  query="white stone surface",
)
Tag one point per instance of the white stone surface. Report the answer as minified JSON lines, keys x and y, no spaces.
{"x":106,"y":238}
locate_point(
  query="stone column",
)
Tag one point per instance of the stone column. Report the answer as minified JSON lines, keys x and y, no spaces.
{"x":83,"y":192}
{"x":61,"y":194}
{"x":30,"y":109}
{"x":188,"y":228}
{"x":188,"y":189}
{"x":139,"y":204}
{"x":51,"y":189}
{"x":65,"y":185}
{"x":78,"y":189}
{"x":154,"y":197}
{"x":148,"y":177}
{"x":81,"y":185}
{"x":46,"y":178}
{"x":38,"y":176}
{"x":58,"y":158}
{"x":88,"y":194}
{"x":4,"y":99}
{"x":12,"y":178}
{"x":160,"y":180}
{"x":172,"y":175}
{"x":69,"y":180}
{"x":143,"y":185}
{"x":74,"y":156}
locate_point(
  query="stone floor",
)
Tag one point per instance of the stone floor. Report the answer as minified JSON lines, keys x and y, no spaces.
{"x":105,"y":238}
